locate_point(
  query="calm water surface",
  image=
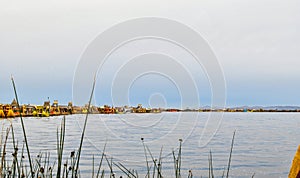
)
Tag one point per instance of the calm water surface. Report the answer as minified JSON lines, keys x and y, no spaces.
{"x":265,"y":143}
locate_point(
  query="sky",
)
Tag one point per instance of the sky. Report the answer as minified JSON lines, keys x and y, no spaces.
{"x":257,"y":44}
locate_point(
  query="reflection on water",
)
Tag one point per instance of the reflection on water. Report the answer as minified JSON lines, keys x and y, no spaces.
{"x":265,"y":142}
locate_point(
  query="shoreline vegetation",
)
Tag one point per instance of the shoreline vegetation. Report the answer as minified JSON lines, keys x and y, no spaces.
{"x":54,"y":109}
{"x":21,"y":163}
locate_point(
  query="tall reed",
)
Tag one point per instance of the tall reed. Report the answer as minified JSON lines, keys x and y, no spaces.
{"x":23,"y":128}
{"x":84,"y":128}
{"x":229,"y":161}
{"x":60,"y":145}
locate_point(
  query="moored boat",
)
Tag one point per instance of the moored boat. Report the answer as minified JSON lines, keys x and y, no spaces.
{"x":41,"y":112}
{"x":155,"y":110}
{"x":8,"y":112}
{"x":55,"y":110}
{"x":139,"y":109}
{"x":2,"y":115}
{"x":29,"y":111}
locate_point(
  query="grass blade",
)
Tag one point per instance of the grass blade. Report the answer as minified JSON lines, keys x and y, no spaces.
{"x":179,"y":158}
{"x":229,"y":161}
{"x":125,"y":170}
{"x":211,"y":164}
{"x":60,"y":145}
{"x":175,"y":164}
{"x":154,"y":162}
{"x":148,"y":169}
{"x":223,"y":173}
{"x":15,"y":161}
{"x":110,"y":166}
{"x":3,"y":160}
{"x":103,"y":153}
{"x":93,"y":169}
{"x":23,"y":128}
{"x":84,"y":127}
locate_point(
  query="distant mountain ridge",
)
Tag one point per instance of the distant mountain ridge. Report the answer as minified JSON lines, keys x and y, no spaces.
{"x":256,"y":107}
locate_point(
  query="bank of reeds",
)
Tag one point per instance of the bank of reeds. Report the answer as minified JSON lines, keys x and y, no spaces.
{"x":21,"y":166}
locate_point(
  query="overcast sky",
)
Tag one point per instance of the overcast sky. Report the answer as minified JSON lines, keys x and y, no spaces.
{"x":257,"y":43}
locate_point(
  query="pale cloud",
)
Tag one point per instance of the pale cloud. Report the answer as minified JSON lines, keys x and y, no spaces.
{"x":258,"y":41}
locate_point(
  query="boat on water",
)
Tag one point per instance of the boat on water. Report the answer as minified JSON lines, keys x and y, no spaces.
{"x":8,"y":112}
{"x":119,"y":110}
{"x":2,"y":115}
{"x":155,"y":110}
{"x":84,"y":110}
{"x":29,"y":111}
{"x":139,"y":109}
{"x":54,"y":110}
{"x":109,"y":110}
{"x":64,"y":110}
{"x":41,"y":112}
{"x":106,"y":110}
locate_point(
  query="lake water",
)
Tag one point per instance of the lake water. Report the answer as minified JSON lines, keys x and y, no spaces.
{"x":265,"y":143}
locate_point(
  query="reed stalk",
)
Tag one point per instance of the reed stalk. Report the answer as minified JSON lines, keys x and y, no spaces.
{"x":179,"y":158}
{"x":160,"y":163}
{"x":100,"y":164}
{"x":23,"y":128}
{"x":190,"y":174}
{"x":102,"y":174}
{"x":175,"y":165}
{"x":223,"y":174}
{"x":15,"y":154}
{"x":154,"y":162}
{"x":93,"y":166}
{"x":210,"y":160}
{"x":3,"y":160}
{"x":147,"y":164}
{"x":177,"y":161}
{"x":21,"y":162}
{"x":126,"y":171}
{"x":84,"y":128}
{"x":229,"y":161}
{"x":110,"y":163}
{"x":60,"y":145}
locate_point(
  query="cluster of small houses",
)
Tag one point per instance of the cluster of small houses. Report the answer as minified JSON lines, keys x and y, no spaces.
{"x":54,"y":109}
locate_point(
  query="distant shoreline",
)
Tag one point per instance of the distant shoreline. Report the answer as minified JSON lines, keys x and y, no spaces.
{"x":54,"y":109}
